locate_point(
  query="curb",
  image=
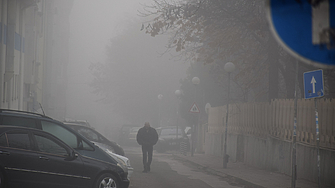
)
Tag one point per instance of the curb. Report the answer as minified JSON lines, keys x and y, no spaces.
{"x":232,"y":180}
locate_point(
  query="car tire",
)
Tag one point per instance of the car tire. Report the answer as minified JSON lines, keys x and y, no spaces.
{"x":107,"y":181}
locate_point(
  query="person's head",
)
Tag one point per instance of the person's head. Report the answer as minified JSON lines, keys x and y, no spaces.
{"x":146,"y":124}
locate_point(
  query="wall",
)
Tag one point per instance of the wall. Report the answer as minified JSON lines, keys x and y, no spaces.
{"x":274,"y":155}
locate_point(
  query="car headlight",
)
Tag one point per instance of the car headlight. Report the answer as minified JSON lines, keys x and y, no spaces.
{"x":119,"y":160}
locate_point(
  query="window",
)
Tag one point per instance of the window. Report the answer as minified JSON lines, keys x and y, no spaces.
{"x":15,"y":139}
{"x":49,"y":146}
{"x":88,"y":134}
{"x":17,"y":41}
{"x":19,"y":121}
{"x":65,"y":135}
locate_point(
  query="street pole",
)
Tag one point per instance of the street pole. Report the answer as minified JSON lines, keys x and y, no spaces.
{"x":229,"y":68}
{"x":294,"y":150}
{"x":194,"y":132}
{"x":195,"y":81}
{"x":160,"y":96}
{"x":177,"y":93}
{"x":226,"y":129}
{"x":317,"y":138}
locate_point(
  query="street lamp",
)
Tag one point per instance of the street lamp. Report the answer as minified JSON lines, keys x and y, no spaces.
{"x":177,"y":93}
{"x":228,"y":67}
{"x":195,"y":81}
{"x":160,"y":96}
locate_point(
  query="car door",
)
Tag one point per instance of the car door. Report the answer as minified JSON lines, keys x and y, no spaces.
{"x":17,"y":157}
{"x":59,"y":167}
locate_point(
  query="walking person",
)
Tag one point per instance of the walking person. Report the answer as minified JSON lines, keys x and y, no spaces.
{"x":147,"y":137}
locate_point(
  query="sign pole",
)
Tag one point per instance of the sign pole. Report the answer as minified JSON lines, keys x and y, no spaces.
{"x":294,"y":150}
{"x":225,"y":156}
{"x":313,"y":82}
{"x":317,"y":138}
{"x":194,"y":109}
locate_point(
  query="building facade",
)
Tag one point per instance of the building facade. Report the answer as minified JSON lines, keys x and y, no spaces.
{"x":34,"y":55}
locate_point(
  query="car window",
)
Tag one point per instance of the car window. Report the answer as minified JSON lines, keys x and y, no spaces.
{"x":89,"y":134}
{"x":65,"y":135}
{"x":47,"y":145}
{"x":19,"y":121}
{"x":16,"y":139}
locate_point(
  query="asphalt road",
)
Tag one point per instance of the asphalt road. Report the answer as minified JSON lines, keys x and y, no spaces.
{"x":167,"y":171}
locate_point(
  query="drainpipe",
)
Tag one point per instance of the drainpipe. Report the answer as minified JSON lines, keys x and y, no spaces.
{"x":10,"y":47}
{"x":2,"y":55}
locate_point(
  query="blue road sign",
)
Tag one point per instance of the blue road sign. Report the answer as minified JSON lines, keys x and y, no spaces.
{"x":304,"y":30}
{"x":313,"y":84}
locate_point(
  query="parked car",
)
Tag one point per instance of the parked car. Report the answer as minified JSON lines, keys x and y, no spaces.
{"x":67,"y":135}
{"x":132,"y":135}
{"x":124,"y":159}
{"x":127,"y":134}
{"x":35,"y":158}
{"x":81,"y":122}
{"x":95,"y":136}
{"x":170,"y":140}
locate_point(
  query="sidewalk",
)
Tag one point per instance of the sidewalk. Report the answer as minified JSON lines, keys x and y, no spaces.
{"x":248,"y":175}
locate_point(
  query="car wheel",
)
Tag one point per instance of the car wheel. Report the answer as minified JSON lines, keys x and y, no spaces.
{"x":107,"y":181}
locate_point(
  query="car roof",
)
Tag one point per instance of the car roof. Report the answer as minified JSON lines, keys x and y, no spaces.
{"x":23,"y":114}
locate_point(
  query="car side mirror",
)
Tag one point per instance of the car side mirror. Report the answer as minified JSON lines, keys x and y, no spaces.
{"x":72,"y":155}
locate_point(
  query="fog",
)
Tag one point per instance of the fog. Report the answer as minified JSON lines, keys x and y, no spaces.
{"x":150,"y":72}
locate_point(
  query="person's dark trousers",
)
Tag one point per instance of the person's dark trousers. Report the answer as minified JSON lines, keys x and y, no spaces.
{"x":147,"y":157}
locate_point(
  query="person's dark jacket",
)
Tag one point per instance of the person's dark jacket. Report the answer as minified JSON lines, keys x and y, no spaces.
{"x":147,"y":136}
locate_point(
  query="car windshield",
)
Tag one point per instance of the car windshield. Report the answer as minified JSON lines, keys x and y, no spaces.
{"x":134,"y":129}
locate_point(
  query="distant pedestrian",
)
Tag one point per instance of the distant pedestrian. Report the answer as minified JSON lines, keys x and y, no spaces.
{"x":147,"y":137}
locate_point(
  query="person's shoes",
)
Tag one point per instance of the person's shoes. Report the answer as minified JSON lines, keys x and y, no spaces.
{"x":148,"y":168}
{"x":144,"y":171}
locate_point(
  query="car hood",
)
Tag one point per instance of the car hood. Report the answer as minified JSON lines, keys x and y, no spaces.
{"x":121,"y":159}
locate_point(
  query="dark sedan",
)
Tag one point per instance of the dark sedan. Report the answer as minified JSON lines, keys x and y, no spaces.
{"x":34,"y":158}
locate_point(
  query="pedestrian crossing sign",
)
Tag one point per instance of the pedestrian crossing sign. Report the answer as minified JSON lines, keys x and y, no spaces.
{"x":194,"y":108}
